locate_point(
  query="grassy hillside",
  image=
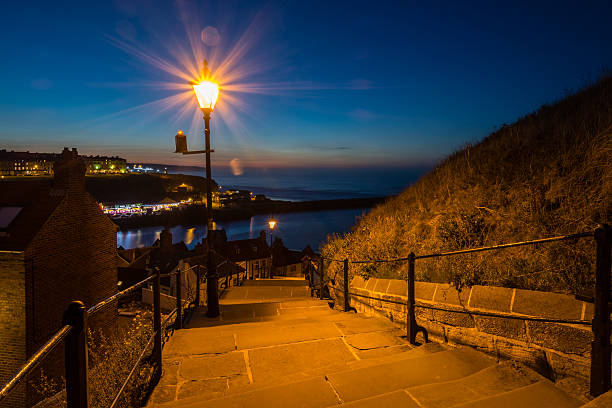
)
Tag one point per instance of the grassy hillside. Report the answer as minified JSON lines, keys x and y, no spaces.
{"x":548,"y":174}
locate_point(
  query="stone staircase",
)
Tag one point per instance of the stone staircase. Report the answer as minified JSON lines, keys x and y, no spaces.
{"x":273,"y":346}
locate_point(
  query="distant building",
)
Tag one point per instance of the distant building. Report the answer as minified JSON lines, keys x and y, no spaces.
{"x":286,"y":262}
{"x":56,"y":246}
{"x":253,"y":255}
{"x":235,"y":198}
{"x":105,"y":165}
{"x":41,"y":164}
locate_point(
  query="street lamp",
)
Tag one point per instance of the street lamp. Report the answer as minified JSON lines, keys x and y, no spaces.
{"x":271,"y":224}
{"x":206,"y":92}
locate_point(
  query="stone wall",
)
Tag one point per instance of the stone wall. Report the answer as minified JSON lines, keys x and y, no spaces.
{"x":12,"y":323}
{"x":555,"y":350}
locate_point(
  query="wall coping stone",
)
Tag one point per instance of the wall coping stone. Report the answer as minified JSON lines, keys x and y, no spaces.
{"x":519,"y":302}
{"x":491,"y":297}
{"x":546,"y":304}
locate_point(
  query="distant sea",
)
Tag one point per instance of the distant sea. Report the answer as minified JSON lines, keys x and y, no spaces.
{"x":314,"y":184}
{"x":295,"y":229}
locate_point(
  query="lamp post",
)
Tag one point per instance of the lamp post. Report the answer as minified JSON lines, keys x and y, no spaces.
{"x":206,"y":92}
{"x":271,"y":224}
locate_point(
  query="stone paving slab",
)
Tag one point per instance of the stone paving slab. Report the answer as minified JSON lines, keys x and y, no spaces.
{"x":278,"y":361}
{"x":375,"y":339}
{"x":358,"y":324}
{"x":212,"y":366}
{"x":266,"y":292}
{"x":542,"y":394}
{"x":438,"y":367}
{"x":492,"y":380}
{"x":290,"y":333}
{"x":275,"y":282}
{"x":393,"y":399}
{"x":198,"y":341}
{"x":313,"y":393}
{"x":378,"y":353}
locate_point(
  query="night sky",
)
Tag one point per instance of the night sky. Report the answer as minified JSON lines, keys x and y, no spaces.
{"x":303,"y":83}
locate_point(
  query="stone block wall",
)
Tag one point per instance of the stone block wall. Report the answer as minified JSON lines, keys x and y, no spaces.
{"x":12,"y":323}
{"x":555,"y":350}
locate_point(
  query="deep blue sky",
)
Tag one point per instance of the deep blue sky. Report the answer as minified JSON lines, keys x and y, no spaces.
{"x":346,"y":83}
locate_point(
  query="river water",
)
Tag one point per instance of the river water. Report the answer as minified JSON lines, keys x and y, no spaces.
{"x":295,"y":229}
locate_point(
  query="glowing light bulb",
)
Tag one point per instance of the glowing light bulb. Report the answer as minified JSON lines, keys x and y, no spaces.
{"x":207,"y":93}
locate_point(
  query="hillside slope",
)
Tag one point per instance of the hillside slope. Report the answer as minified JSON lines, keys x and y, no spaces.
{"x":548,"y":174}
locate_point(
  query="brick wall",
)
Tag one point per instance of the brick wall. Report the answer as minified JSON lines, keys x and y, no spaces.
{"x":555,"y":350}
{"x":71,"y":258}
{"x":12,"y":322}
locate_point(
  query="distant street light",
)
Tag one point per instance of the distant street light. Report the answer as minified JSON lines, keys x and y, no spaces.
{"x":206,"y":92}
{"x":271,"y":224}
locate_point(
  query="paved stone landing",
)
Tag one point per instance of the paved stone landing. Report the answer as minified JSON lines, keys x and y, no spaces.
{"x":274,"y":346}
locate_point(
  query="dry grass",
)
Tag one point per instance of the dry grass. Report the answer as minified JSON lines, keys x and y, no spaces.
{"x":550,"y":173}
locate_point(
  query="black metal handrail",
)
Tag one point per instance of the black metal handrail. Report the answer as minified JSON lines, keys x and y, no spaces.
{"x":601,"y":350}
{"x":35,"y":360}
{"x":74,"y":334}
{"x":95,"y":308}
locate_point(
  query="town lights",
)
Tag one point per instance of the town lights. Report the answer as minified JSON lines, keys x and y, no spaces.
{"x":207,"y":93}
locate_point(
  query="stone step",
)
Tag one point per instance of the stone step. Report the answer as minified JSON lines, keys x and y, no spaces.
{"x":235,"y":389}
{"x":399,"y":399}
{"x":603,"y":401}
{"x":438,"y":367}
{"x":275,"y":282}
{"x":542,"y":394}
{"x":313,"y":393}
{"x":500,"y":378}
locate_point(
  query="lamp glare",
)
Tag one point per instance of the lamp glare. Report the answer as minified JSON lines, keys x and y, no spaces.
{"x":207,"y":93}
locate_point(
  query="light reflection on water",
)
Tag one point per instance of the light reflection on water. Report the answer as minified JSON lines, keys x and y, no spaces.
{"x":295,"y":229}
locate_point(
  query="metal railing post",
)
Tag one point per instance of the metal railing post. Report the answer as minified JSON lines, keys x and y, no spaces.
{"x":198,"y":278}
{"x":178,"y":324}
{"x":321,"y":279}
{"x":411,"y":326}
{"x":157,"y":343}
{"x":347,"y":306}
{"x":76,"y":356}
{"x":600,"y":347}
{"x":311,"y":277}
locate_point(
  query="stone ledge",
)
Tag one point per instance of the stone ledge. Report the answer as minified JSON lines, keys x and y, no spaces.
{"x":491,"y":298}
{"x":546,"y":304}
{"x":446,"y":293}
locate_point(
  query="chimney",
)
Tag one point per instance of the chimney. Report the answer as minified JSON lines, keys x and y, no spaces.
{"x":69,"y":172}
{"x":165,"y":239}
